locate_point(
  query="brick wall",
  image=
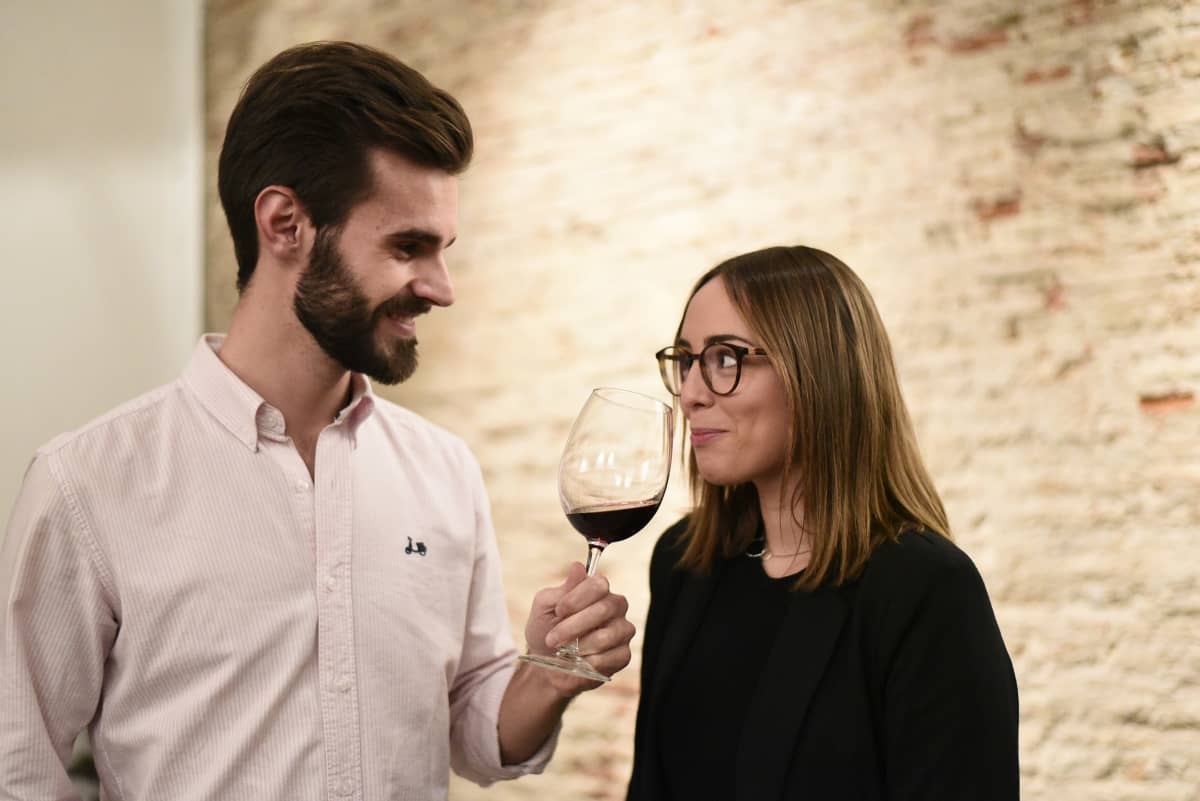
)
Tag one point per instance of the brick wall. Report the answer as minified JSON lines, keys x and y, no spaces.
{"x":1018,"y":183}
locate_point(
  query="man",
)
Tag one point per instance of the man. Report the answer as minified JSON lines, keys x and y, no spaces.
{"x":261,"y":581}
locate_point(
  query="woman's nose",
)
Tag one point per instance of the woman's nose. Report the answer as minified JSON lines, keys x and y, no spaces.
{"x":694,"y":392}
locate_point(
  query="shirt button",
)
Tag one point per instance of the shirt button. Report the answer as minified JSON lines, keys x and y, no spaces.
{"x":345,"y":787}
{"x":343,"y":684}
{"x":301,"y":486}
{"x":330,"y":584}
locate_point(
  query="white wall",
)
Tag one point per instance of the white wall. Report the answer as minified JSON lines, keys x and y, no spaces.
{"x":100,"y":199}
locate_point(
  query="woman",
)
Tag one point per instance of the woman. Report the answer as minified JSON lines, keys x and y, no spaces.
{"x":813,"y":632}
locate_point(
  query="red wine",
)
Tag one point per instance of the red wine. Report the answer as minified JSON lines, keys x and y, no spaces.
{"x":612,"y":522}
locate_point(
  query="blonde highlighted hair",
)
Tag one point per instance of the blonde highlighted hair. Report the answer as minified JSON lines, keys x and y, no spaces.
{"x":862,"y":480}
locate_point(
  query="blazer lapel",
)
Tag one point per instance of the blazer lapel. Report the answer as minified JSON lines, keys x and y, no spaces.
{"x":802,"y":649}
{"x":686,"y":614}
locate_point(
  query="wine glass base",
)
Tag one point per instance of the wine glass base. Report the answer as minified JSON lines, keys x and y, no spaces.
{"x":566,"y":664}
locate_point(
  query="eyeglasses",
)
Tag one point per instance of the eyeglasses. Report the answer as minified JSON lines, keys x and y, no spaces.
{"x":720,"y":366}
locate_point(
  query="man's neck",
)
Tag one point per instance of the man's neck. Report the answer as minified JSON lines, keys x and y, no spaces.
{"x":275,"y":356}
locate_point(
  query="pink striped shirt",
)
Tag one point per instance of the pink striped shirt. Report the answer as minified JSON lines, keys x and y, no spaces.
{"x":229,"y":628}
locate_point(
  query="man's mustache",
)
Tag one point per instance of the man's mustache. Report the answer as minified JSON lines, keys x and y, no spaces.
{"x":403,"y":306}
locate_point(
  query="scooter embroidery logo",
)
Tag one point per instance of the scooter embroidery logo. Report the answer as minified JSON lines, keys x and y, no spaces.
{"x":418,"y":549}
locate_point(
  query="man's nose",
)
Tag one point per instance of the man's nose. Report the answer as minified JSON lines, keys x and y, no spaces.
{"x":433,"y":282}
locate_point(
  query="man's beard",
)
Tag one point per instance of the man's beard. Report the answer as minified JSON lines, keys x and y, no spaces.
{"x":334,"y":309}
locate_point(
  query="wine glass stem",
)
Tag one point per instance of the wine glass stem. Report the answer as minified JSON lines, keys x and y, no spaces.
{"x":594,"y":551}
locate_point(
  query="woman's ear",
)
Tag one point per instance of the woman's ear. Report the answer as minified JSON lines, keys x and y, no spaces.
{"x":283,"y":226}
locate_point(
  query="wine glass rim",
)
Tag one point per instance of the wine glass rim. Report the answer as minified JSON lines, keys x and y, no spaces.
{"x":614,"y":394}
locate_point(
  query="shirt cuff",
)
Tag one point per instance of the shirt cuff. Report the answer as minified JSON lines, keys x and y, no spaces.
{"x":536,"y":763}
{"x":482,"y":745}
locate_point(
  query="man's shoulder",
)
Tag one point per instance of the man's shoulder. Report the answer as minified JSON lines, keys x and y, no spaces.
{"x":402,"y":420}
{"x":119,"y":424}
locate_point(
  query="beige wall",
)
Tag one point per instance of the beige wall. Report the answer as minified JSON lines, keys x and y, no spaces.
{"x":101,"y":197}
{"x":1018,"y":183}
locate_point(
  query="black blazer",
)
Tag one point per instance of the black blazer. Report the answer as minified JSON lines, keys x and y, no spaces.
{"x":894,"y":686}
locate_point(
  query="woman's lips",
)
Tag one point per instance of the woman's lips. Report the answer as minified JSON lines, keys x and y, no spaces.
{"x":701,"y":436}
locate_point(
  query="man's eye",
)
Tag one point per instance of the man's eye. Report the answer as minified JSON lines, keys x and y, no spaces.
{"x":408,"y":250}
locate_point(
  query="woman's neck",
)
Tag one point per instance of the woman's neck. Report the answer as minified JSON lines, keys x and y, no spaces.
{"x":788,"y":545}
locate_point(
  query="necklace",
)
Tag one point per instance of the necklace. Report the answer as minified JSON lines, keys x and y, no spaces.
{"x":759,"y":550}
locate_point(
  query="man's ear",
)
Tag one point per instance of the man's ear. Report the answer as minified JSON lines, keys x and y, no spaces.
{"x":284,"y":229}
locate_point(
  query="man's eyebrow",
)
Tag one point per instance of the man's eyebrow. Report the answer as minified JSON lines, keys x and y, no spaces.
{"x":421,"y":235}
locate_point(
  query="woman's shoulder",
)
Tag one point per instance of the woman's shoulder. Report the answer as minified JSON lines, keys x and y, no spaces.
{"x":669,"y":549}
{"x":921,"y":592}
{"x":920,"y":580}
{"x":917,"y":560}
{"x":671,"y":543}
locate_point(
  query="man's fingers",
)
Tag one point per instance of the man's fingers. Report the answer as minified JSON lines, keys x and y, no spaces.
{"x":548,"y":599}
{"x":608,"y":608}
{"x":581,"y":595}
{"x":575,"y":574}
{"x":612,"y":638}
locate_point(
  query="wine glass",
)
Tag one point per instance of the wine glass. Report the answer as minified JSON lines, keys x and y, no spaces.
{"x":611,"y":479}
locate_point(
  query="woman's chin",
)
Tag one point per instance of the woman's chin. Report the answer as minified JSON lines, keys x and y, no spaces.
{"x":717,"y":476}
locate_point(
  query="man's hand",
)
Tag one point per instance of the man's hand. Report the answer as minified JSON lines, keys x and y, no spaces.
{"x":580,"y":608}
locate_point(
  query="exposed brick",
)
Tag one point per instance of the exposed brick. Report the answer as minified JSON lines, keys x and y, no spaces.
{"x":1152,"y":155}
{"x":1080,"y":12}
{"x":1023,"y":207}
{"x":919,"y":33}
{"x":981,"y":40}
{"x":1166,"y":403}
{"x":1056,"y":296}
{"x":996,"y":208}
{"x":1027,"y":142}
{"x":1047,"y":75}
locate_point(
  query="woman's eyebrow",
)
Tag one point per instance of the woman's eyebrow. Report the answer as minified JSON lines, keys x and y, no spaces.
{"x":681,"y":342}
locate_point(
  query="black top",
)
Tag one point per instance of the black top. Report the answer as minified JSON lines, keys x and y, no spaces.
{"x":733,"y":642}
{"x":896,"y":685}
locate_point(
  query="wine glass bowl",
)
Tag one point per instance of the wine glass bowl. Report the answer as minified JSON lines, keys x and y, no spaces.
{"x":611,"y":479}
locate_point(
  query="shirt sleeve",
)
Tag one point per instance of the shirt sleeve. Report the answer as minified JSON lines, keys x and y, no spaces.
{"x":487,"y":664}
{"x":57,"y":628}
{"x":951,"y":711}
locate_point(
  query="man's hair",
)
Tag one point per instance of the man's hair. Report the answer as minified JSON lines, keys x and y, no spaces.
{"x":309,"y":118}
{"x":861,"y":477}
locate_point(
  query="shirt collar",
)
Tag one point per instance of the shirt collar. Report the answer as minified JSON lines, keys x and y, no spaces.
{"x":243,"y":411}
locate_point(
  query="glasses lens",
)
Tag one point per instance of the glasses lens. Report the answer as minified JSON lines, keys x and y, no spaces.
{"x":670,"y":367}
{"x":721,"y":368}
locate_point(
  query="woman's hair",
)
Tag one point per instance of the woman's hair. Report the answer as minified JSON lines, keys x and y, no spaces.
{"x":852,"y":447}
{"x":308,"y":119}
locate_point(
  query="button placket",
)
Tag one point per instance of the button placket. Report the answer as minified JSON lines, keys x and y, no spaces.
{"x":335,"y":615}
